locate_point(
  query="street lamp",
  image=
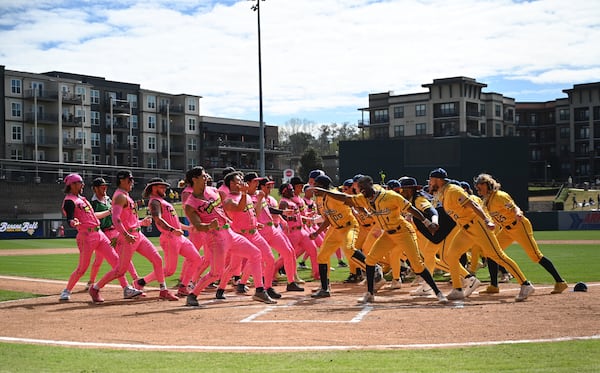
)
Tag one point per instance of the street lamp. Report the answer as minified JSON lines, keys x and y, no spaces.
{"x":35,"y":130}
{"x":261,"y":136}
{"x":168,"y":137}
{"x":547,"y":166}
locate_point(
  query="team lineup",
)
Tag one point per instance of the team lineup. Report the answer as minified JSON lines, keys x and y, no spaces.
{"x":235,"y":228}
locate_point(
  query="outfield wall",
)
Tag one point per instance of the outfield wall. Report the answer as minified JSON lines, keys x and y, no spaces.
{"x":49,"y":228}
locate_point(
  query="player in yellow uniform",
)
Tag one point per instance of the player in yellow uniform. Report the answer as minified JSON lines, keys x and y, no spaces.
{"x":514,"y":226}
{"x":398,"y":235}
{"x":476,"y":228}
{"x":432,"y":244}
{"x":341,"y":231}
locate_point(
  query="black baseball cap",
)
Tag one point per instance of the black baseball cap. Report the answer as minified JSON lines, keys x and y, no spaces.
{"x":124,"y":174}
{"x":99,"y":181}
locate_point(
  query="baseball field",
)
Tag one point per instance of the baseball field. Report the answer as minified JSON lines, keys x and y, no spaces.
{"x":398,"y":333}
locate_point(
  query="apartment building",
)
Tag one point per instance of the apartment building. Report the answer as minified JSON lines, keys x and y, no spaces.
{"x":88,"y":120}
{"x":563,"y":134}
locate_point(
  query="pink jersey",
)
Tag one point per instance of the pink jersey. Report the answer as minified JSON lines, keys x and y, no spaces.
{"x":265,"y":216}
{"x":168,"y":213}
{"x":129,"y":216}
{"x":209,"y":208}
{"x":296,"y":220}
{"x":83,"y":212}
{"x":185,"y":193}
{"x":242,"y":220}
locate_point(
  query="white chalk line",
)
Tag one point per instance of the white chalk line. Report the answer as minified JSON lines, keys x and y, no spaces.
{"x":286,"y":348}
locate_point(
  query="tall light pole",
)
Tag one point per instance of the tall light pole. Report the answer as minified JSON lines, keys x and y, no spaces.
{"x":168,"y":137}
{"x":112,"y":134}
{"x":35,"y":132}
{"x":261,"y":136}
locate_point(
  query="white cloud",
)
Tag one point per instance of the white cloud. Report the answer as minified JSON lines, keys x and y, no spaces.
{"x":318,"y":56}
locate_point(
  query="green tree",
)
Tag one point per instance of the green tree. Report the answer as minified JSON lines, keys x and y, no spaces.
{"x":309,"y":161}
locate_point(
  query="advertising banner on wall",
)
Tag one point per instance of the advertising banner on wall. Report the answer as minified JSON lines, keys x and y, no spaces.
{"x":15,"y":228}
{"x":579,"y":220}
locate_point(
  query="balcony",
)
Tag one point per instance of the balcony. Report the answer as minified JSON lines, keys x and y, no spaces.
{"x":43,"y":95}
{"x":72,"y":143}
{"x":73,"y":99}
{"x":72,"y":121}
{"x":45,"y":141}
{"x":173,"y":109}
{"x":174,"y":130}
{"x":43,"y":118}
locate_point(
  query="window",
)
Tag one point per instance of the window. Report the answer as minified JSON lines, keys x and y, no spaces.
{"x":448,"y":109}
{"x":132,"y":99}
{"x":192,"y":124}
{"x":498,"y":110}
{"x":565,"y":132}
{"x":151,"y":162}
{"x":15,"y":109}
{"x":15,"y":86}
{"x":421,"y":128}
{"x":151,"y":143}
{"x":134,"y":142}
{"x":482,"y":109}
{"x":582,"y":114}
{"x":192,"y":162}
{"x":151,"y":122}
{"x":192,"y":144}
{"x":381,"y":116}
{"x":94,"y":96}
{"x":95,"y":118}
{"x":191,"y":104}
{"x":17,"y":132}
{"x":80,"y":92}
{"x":399,"y":130}
{"x":482,"y":128}
{"x":498,"y":129}
{"x":420,"y":110}
{"x":133,"y":120}
{"x":16,"y":154}
{"x":533,"y":118}
{"x":95,"y":159}
{"x":95,"y":139}
{"x":563,"y":114}
{"x":151,"y":102}
{"x":398,"y":111}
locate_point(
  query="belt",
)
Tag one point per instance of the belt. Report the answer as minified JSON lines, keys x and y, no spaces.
{"x":509,"y":227}
{"x":248,"y":231}
{"x":367,"y":225}
{"x":225,"y":226}
{"x":344,"y":226}
{"x":132,"y":230}
{"x":93,"y":229}
{"x":392,"y":231}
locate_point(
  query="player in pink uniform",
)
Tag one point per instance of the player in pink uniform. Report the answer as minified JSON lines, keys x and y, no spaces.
{"x":90,"y":238}
{"x":270,"y":232}
{"x":172,"y":239}
{"x":102,"y":202}
{"x":130,"y":240}
{"x":299,"y":237}
{"x":206,"y":214}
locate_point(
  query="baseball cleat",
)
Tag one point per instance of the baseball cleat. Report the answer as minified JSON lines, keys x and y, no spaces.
{"x":491,"y":289}
{"x":526,"y":290}
{"x":470,"y":284}
{"x":456,"y":294}
{"x":65,"y":295}
{"x":262,"y":296}
{"x":367,"y":298}
{"x":559,"y":287}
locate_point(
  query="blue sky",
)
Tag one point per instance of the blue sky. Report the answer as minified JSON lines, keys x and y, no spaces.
{"x":320,"y":58}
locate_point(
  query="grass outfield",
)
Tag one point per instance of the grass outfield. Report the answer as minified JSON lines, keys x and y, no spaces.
{"x":575,"y":262}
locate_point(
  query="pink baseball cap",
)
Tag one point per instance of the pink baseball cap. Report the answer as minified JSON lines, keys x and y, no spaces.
{"x":73,"y":178}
